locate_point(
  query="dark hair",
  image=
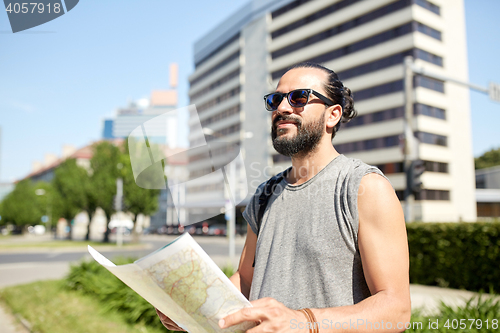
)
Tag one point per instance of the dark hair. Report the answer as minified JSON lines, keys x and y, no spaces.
{"x":336,"y":91}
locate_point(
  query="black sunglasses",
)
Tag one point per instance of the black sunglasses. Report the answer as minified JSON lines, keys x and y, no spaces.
{"x":297,"y":98}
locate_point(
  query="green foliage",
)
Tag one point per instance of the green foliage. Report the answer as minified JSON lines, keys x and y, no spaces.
{"x":51,"y":203}
{"x":228,"y":270}
{"x":104,"y":165}
{"x":455,"y":255}
{"x":488,"y":159}
{"x":22,"y":207}
{"x":70,"y":183}
{"x":483,"y":311}
{"x":92,"y":279}
{"x":138,"y":200}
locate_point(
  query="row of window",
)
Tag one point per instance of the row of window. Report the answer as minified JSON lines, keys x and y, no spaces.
{"x":222,"y":115}
{"x":216,"y":135}
{"x":427,"y":110}
{"x":429,"y":6}
{"x":370,"y":144}
{"x":488,"y":209}
{"x":356,"y":22}
{"x":311,"y":18}
{"x":389,"y":141}
{"x":432,"y":139}
{"x":216,"y":84}
{"x":213,"y":152}
{"x":427,"y":195}
{"x":398,"y":85}
{"x":386,"y":168}
{"x":221,"y":64}
{"x":205,"y":188}
{"x":219,"y":99}
{"x":358,"y":46}
{"x":436,"y":166}
{"x":395,"y":113}
{"x":199,"y":173}
{"x":383,"y":89}
{"x":398,"y":167}
{"x":288,"y":7}
{"x":389,"y":61}
{"x":375,"y":117}
{"x":428,"y":31}
{"x":429,"y":83}
{"x":432,"y":195}
{"x":217,"y":50}
{"x":342,"y":4}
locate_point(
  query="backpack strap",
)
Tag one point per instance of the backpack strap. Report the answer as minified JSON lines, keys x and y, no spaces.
{"x":268,"y":191}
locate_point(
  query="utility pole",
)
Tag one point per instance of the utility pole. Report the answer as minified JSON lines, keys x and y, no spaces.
{"x":118,"y":208}
{"x":410,"y":151}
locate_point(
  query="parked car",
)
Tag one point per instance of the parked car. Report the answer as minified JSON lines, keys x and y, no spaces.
{"x":217,"y":230}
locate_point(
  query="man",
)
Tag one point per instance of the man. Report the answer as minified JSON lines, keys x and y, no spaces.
{"x":332,"y":238}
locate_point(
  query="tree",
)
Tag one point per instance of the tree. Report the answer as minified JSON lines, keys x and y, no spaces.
{"x":104,"y":164}
{"x":22,"y":207}
{"x":50,"y":202}
{"x":489,"y":159}
{"x":137,"y":199}
{"x":69,"y":182}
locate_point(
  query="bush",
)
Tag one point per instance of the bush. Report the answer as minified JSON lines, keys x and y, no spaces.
{"x":483,"y":312}
{"x":92,"y":279}
{"x":455,"y":255}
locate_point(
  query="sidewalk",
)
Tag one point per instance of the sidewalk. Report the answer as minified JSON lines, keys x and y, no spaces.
{"x":8,"y":323}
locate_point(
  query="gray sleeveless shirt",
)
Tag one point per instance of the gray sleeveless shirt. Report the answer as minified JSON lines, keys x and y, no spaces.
{"x":307,"y":249}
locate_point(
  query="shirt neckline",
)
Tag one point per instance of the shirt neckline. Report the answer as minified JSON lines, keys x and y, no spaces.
{"x":291,"y":187}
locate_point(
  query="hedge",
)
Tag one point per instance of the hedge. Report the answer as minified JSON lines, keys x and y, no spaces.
{"x":455,"y":255}
{"x":90,"y":278}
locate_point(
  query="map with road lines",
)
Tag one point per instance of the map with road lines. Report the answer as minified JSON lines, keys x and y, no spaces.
{"x":183,"y":282}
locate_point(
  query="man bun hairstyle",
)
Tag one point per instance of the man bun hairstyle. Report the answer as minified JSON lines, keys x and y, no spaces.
{"x":336,"y":91}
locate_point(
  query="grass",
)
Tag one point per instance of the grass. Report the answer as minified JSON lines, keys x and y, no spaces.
{"x":52,"y":309}
{"x":479,"y":314}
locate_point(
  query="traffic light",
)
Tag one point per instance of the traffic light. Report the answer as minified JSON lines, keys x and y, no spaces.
{"x":413,"y":181}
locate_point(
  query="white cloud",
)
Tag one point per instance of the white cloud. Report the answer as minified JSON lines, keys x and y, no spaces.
{"x":28,"y":108}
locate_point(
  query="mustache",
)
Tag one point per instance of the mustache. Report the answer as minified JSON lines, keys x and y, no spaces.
{"x":286,"y":118}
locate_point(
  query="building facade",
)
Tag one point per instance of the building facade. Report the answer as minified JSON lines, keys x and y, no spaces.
{"x":488,"y":192}
{"x":365,"y":42}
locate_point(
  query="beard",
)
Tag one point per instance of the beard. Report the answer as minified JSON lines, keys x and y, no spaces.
{"x":305,"y":141}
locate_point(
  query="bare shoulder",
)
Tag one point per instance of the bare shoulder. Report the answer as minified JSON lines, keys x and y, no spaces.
{"x":377,"y":200}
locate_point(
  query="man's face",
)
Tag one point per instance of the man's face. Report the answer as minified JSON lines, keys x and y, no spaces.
{"x":299,"y":130}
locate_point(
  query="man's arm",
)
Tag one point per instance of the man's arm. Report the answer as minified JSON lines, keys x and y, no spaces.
{"x":384,"y":253}
{"x":242,"y":279}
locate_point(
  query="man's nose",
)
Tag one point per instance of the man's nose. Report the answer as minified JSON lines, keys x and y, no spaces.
{"x":284,"y":107}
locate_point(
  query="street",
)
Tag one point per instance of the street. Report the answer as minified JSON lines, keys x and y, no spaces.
{"x":24,"y":265}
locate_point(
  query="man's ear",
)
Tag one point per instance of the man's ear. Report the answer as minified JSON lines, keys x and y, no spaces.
{"x":333,"y":115}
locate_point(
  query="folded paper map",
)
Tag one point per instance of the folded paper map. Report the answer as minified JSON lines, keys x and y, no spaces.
{"x":184,"y":283}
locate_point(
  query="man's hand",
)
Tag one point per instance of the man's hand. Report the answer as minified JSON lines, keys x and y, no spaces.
{"x":269,"y":315}
{"x":167,"y":322}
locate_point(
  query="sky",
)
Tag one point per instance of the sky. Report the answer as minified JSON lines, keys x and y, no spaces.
{"x":59,"y":80}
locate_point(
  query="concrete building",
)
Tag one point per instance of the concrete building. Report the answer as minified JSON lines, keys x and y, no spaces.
{"x":161,"y":102}
{"x":365,"y":42}
{"x":488,"y":192}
